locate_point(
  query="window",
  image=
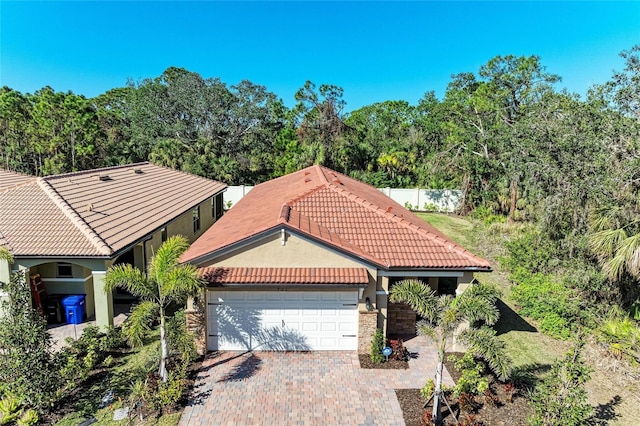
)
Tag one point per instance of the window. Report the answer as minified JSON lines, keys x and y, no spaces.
{"x":447,"y":285}
{"x":219,"y":206}
{"x":196,"y":219}
{"x":163,"y":234}
{"x":64,"y":270}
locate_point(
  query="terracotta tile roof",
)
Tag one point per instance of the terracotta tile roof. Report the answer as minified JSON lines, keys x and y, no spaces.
{"x":224,"y":276}
{"x":10,"y":179}
{"x":97,"y":212}
{"x":341,"y":212}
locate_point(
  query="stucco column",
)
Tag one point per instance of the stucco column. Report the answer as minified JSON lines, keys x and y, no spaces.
{"x":103,"y":300}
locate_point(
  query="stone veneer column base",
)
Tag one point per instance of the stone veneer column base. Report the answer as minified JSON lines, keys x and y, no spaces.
{"x":196,"y":324}
{"x":367,"y":325}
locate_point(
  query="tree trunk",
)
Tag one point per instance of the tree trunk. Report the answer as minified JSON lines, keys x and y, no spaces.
{"x":438,"y":388}
{"x":514,"y":199}
{"x":436,"y":394}
{"x":162,"y":371}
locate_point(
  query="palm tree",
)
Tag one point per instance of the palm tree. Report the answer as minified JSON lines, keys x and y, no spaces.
{"x":166,"y":281}
{"x":615,"y":240}
{"x":444,"y":315}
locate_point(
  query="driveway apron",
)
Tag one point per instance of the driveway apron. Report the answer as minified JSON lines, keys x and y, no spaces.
{"x":303,"y":388}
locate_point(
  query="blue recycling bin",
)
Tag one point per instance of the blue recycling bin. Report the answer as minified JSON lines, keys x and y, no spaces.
{"x":74,"y":308}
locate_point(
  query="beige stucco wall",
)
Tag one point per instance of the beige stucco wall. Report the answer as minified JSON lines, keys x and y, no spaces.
{"x":183,"y":225}
{"x":297,"y":252}
{"x":5,"y":271}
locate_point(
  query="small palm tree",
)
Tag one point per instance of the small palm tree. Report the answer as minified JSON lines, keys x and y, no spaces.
{"x":166,"y":281}
{"x":444,"y":315}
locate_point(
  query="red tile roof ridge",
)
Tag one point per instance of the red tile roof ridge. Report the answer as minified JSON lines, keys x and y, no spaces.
{"x":426,"y":230}
{"x":101,"y":246}
{"x":95,"y":171}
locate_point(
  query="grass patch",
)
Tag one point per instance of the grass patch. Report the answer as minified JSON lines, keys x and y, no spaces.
{"x":457,"y":228}
{"x":532,"y":352}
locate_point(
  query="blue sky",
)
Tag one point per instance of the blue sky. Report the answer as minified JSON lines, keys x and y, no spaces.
{"x":376,"y":51}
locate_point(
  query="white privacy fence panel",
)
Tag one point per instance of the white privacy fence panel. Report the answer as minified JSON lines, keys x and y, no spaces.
{"x":419,"y":199}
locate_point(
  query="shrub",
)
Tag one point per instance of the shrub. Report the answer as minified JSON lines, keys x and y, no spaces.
{"x":400,"y":352}
{"x":471,"y":380}
{"x":510,"y":391}
{"x":26,"y":365}
{"x":548,"y":301}
{"x":79,"y":357}
{"x":427,"y":390}
{"x":621,"y":335}
{"x":376,"y":346}
{"x":561,"y":398}
{"x":466,"y":402}
{"x":181,"y":342}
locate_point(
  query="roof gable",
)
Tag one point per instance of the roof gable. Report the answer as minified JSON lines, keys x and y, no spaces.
{"x":97,"y":212}
{"x":341,"y":212}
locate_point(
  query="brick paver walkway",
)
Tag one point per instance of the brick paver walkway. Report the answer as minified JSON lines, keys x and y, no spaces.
{"x":304,"y":388}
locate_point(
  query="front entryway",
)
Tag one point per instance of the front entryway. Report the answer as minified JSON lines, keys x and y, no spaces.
{"x":282,"y":320}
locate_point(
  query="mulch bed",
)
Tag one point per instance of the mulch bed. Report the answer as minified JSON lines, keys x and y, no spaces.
{"x":501,"y":413}
{"x":392,"y":364}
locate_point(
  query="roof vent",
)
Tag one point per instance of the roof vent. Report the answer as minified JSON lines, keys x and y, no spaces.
{"x":138,"y":171}
{"x":307,"y":180}
{"x":104,"y":178}
{"x":389,"y":209}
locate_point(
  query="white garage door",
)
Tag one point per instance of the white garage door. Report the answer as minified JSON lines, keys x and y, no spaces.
{"x":282,"y":320}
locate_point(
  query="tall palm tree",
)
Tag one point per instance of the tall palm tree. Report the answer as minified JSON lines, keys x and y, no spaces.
{"x":444,"y":315}
{"x":165,"y":282}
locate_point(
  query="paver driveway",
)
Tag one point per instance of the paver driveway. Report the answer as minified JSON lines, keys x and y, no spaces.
{"x":303,"y":388}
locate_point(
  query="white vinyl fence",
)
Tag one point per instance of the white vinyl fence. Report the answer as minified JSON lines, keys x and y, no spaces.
{"x":418,"y":199}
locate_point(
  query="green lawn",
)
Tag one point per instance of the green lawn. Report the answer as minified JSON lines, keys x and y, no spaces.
{"x":529,"y":349}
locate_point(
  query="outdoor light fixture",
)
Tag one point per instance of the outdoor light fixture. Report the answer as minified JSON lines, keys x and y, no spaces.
{"x":367,"y":302}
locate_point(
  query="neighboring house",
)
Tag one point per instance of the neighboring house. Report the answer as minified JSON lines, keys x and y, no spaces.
{"x":71,"y":228}
{"x":306,"y":261}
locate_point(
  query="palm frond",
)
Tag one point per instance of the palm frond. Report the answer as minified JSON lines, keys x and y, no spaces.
{"x":625,"y":259}
{"x":131,"y":279}
{"x":483,"y":343}
{"x":605,"y":217}
{"x":488,"y":292}
{"x":478,"y":309}
{"x":604,"y":244}
{"x":425,"y":328}
{"x":180,"y":283}
{"x":5,"y":254}
{"x":631,"y":249}
{"x":168,"y":256}
{"x":419,"y":296}
{"x":136,"y":327}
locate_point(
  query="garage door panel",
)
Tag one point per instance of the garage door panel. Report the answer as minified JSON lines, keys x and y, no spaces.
{"x":282,"y":320}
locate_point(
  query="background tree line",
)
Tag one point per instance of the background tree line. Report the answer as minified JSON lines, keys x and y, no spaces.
{"x":517,"y":147}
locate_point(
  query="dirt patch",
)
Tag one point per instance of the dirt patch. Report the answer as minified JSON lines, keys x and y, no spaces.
{"x":391,"y":364}
{"x":614,"y":388}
